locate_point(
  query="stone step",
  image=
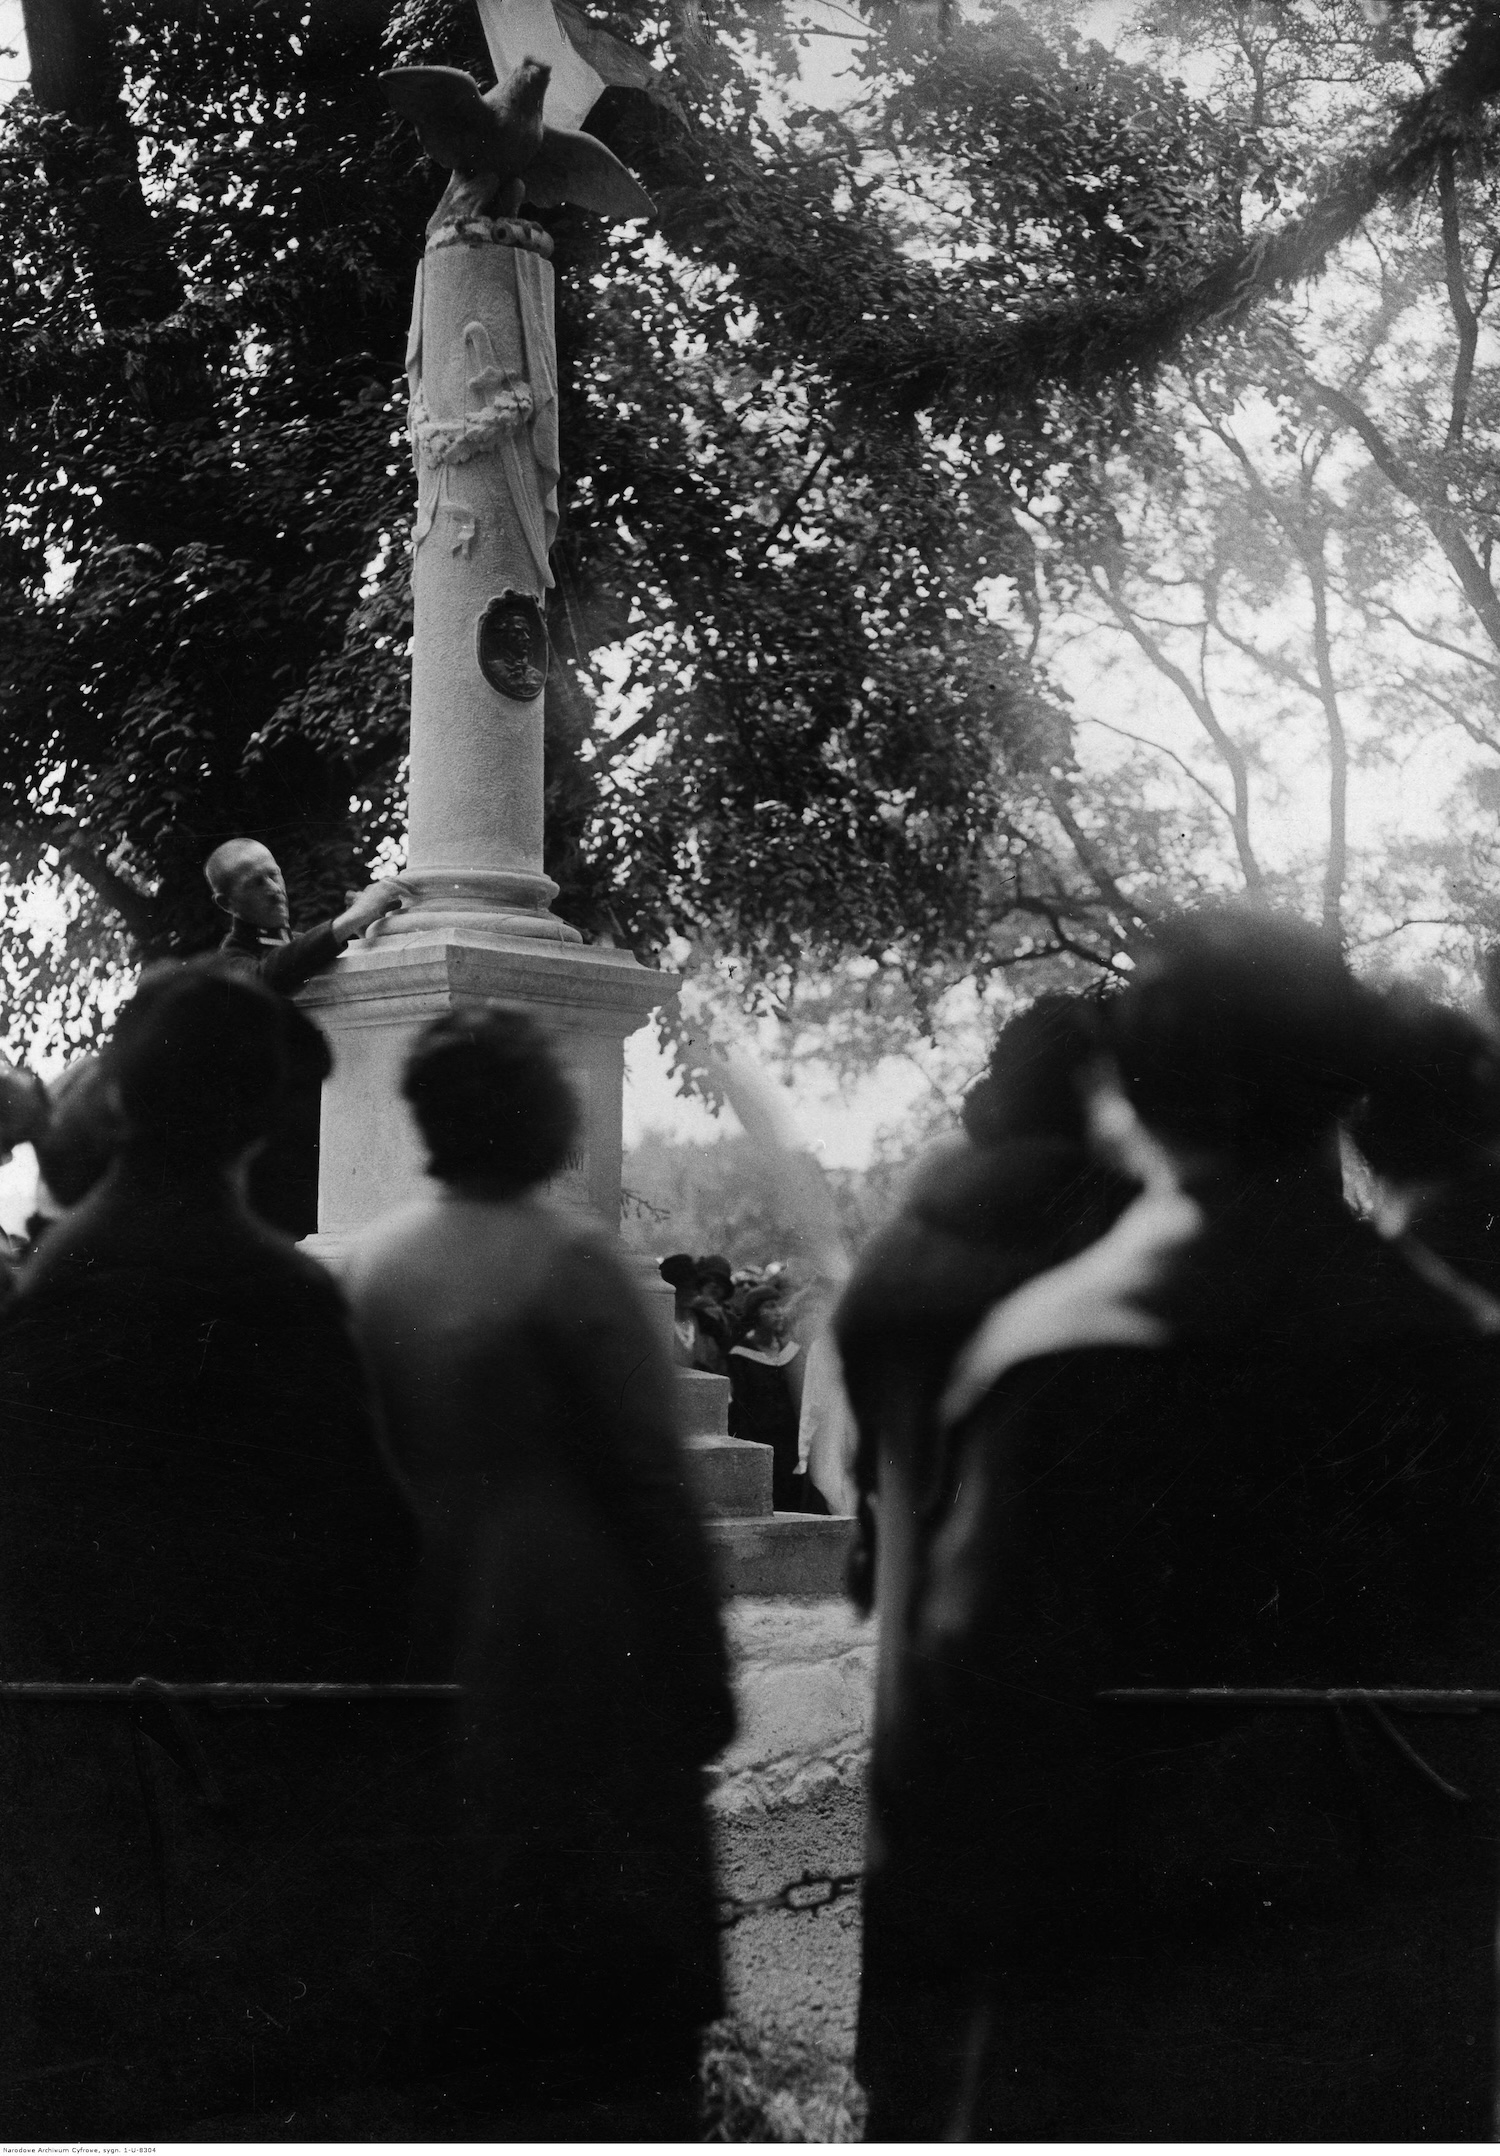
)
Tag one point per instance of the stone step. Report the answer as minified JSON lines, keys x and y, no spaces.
{"x":703,"y":1401}
{"x":731,"y":1476}
{"x":789,"y":1553}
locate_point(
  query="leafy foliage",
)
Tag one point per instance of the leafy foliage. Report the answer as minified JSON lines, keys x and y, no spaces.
{"x":811,"y":425}
{"x":1284,"y":576}
{"x":195,"y":499}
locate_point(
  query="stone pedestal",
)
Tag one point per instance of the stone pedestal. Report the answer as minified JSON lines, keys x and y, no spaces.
{"x":382,"y":991}
{"x":757,"y":1551}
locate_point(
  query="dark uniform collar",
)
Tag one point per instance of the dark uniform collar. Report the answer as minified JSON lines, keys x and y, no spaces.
{"x":245,"y":940}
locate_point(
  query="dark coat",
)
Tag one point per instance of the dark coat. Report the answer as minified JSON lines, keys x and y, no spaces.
{"x":763,"y":1411}
{"x":1460,"y":1223}
{"x":287,"y":966}
{"x":531,"y":1408}
{"x":193,"y":1490}
{"x":1253,"y":1449}
{"x":976,"y":1223}
{"x":283,"y":1181}
{"x":193,"y":1482}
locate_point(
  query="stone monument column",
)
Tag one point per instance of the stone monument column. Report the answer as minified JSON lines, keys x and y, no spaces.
{"x":481,"y":363}
{"x":482,"y":367}
{"x":478,"y":927}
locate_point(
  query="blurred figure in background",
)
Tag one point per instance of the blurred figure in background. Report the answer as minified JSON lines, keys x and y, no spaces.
{"x":827,"y":1436}
{"x":1238,"y":1442}
{"x":1430,"y":1129}
{"x":681,"y":1276}
{"x":763,"y":1408}
{"x":718,"y":1327}
{"x":697,"y":1317}
{"x":568,"y":1584}
{"x":24,"y":1112}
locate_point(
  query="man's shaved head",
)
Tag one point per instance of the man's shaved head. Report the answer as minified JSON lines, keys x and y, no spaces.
{"x":246,"y":881}
{"x":228,"y":862}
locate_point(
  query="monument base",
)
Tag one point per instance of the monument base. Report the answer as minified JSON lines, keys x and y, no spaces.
{"x":373,"y":1002}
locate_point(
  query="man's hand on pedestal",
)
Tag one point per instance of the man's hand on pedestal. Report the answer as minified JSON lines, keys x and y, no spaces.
{"x":365,"y":907}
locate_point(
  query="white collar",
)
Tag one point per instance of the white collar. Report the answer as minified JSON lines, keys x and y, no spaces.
{"x":1097,"y":1299}
{"x":783,"y":1354}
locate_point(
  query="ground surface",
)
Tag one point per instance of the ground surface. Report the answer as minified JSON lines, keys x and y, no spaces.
{"x":794,"y":1973}
{"x":778,"y":2068}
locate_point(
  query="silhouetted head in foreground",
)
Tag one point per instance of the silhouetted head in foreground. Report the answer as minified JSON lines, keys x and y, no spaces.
{"x":83,"y":1131}
{"x":198,"y":1060}
{"x":25,"y":1107}
{"x":1033,"y":1085}
{"x":1435,"y":1104}
{"x":1242,"y":1035}
{"x":491,"y":1100}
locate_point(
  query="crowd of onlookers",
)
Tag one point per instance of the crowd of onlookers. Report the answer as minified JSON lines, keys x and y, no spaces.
{"x":459,"y":1466}
{"x":1175,"y":1384}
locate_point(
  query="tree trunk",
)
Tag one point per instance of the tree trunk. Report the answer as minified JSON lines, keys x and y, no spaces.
{"x":91,"y":163}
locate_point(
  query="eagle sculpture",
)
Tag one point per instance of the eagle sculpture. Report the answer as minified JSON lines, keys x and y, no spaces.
{"x":500,"y":149}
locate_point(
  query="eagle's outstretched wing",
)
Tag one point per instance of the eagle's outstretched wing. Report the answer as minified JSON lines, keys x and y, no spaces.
{"x":574,"y":167}
{"x":449,"y":114}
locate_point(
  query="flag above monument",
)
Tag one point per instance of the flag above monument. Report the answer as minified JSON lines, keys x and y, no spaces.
{"x":585,"y":58}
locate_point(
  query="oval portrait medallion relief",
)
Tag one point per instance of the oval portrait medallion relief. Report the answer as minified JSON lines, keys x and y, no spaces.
{"x":511,"y":643}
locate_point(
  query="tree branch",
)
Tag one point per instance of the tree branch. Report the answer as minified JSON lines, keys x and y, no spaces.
{"x":1440,"y":520}
{"x":1412,"y":920}
{"x":1465,"y":321}
{"x":1228,"y":748}
{"x":1336,"y":870}
{"x":1048,"y":911}
{"x":136,"y":908}
{"x":1439,"y":643}
{"x":1087,"y":852}
{"x":1181,"y":762}
{"x":1279,"y":669}
{"x":92,"y":164}
{"x":1454,"y":713}
{"x":793,"y":501}
{"x":1079,"y":344}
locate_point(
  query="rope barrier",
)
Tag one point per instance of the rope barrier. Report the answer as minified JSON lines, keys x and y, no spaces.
{"x":1416,"y":1699}
{"x":46,"y":1693}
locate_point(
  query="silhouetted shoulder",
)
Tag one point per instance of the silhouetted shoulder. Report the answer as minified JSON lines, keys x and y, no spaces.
{"x":987,"y":1192}
{"x":581,"y":1256}
{"x":280,"y":1262}
{"x":389,"y":1241}
{"x":1460,"y":1223}
{"x":976,"y":1222}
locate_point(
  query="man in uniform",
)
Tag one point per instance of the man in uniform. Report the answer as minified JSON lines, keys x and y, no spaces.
{"x":247,"y":884}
